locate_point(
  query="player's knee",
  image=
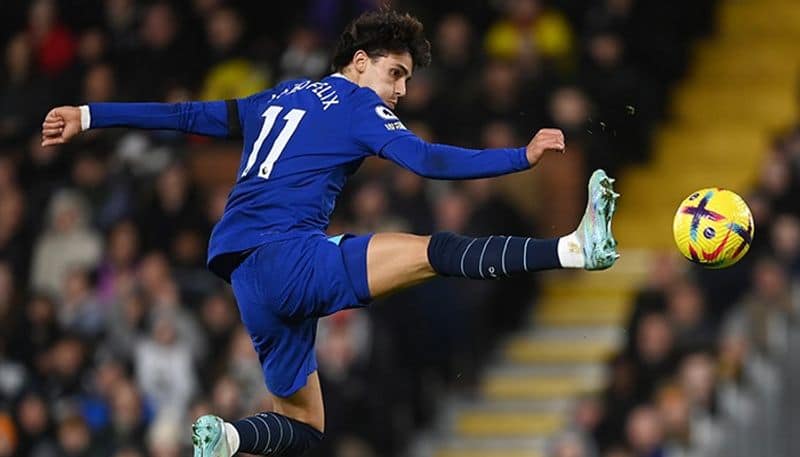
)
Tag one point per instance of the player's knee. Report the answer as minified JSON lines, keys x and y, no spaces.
{"x":305,"y":436}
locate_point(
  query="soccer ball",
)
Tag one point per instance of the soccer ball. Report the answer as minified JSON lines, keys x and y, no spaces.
{"x":713,"y":227}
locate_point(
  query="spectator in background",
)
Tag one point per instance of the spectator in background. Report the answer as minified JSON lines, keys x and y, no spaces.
{"x":116,"y":273}
{"x":165,"y":437}
{"x":231,"y":74}
{"x":75,"y":440}
{"x":645,"y":432}
{"x":456,"y":54}
{"x":673,"y":407}
{"x":698,"y":379}
{"x":218,"y":316}
{"x":304,"y":56}
{"x":80,"y":311}
{"x":619,"y":398}
{"x":164,"y":367}
{"x":188,"y":252}
{"x":655,"y":353}
{"x":63,"y":367}
{"x":164,"y":297}
{"x":93,"y":50}
{"x":371,"y":210}
{"x":109,"y":199}
{"x":529,"y":31}
{"x":24,"y":93}
{"x":762,"y":312}
{"x":162,"y":47}
{"x":241,"y":363}
{"x":129,"y":417}
{"x":563,"y":179}
{"x":775,"y":183}
{"x":127,"y":324}
{"x":121,"y":18}
{"x":686,"y":310}
{"x":615,"y":86}
{"x":42,"y":172}
{"x":344,"y":345}
{"x":67,"y":242}
{"x":99,"y":84}
{"x":785,"y":242}
{"x":226,"y":397}
{"x":53,"y":42}
{"x":173,"y":207}
{"x":15,"y":240}
{"x":39,"y":331}
{"x":35,"y":427}
{"x":95,"y":402}
{"x":496,"y":97}
{"x":410,"y":201}
{"x":664,"y":272}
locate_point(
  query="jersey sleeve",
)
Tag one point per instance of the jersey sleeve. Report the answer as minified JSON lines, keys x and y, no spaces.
{"x":202,"y":118}
{"x":221,"y":118}
{"x":441,"y":161}
{"x":377,"y":129}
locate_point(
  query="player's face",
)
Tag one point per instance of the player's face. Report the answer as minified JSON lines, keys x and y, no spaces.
{"x":387,"y":76}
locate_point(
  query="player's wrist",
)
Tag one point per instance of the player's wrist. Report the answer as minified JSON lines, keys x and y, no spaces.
{"x":86,"y":117}
{"x":523,"y":159}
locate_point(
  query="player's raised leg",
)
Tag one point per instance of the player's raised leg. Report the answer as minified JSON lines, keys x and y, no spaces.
{"x":396,"y":260}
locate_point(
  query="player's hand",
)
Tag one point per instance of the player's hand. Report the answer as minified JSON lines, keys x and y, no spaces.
{"x":545,"y":140}
{"x":60,"y":125}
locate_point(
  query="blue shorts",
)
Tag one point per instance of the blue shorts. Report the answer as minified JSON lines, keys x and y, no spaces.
{"x":285,"y":286}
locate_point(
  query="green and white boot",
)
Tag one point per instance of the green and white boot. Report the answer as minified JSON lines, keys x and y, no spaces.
{"x":209,"y":437}
{"x":594,"y":231}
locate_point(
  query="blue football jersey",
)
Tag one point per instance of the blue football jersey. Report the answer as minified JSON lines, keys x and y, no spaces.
{"x":302,"y":139}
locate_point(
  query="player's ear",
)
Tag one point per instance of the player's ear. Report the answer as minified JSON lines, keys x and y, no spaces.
{"x":360,"y":59}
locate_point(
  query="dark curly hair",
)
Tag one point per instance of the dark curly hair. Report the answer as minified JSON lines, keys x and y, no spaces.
{"x":381,"y":32}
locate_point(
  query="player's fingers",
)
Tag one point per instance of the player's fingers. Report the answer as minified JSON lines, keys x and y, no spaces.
{"x":52,"y":124}
{"x":53,"y":141}
{"x":53,"y":131}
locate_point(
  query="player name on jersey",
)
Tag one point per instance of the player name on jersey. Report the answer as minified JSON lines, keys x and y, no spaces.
{"x":324,"y":91}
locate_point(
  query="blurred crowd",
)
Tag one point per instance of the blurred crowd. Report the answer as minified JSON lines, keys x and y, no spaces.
{"x":113,"y":336}
{"x":708,"y":369}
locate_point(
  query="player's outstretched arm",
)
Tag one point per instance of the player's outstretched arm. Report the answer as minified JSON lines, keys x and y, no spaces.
{"x":216,"y":118}
{"x":450,"y":162}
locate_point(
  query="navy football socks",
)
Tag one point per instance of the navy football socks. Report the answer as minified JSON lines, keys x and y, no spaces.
{"x":490,"y":257}
{"x":275,"y":435}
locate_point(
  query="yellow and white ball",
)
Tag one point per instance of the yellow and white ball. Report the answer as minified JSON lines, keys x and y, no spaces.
{"x":713,"y":227}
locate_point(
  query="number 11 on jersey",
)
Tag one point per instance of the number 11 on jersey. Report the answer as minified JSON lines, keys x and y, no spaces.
{"x":292,"y":118}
